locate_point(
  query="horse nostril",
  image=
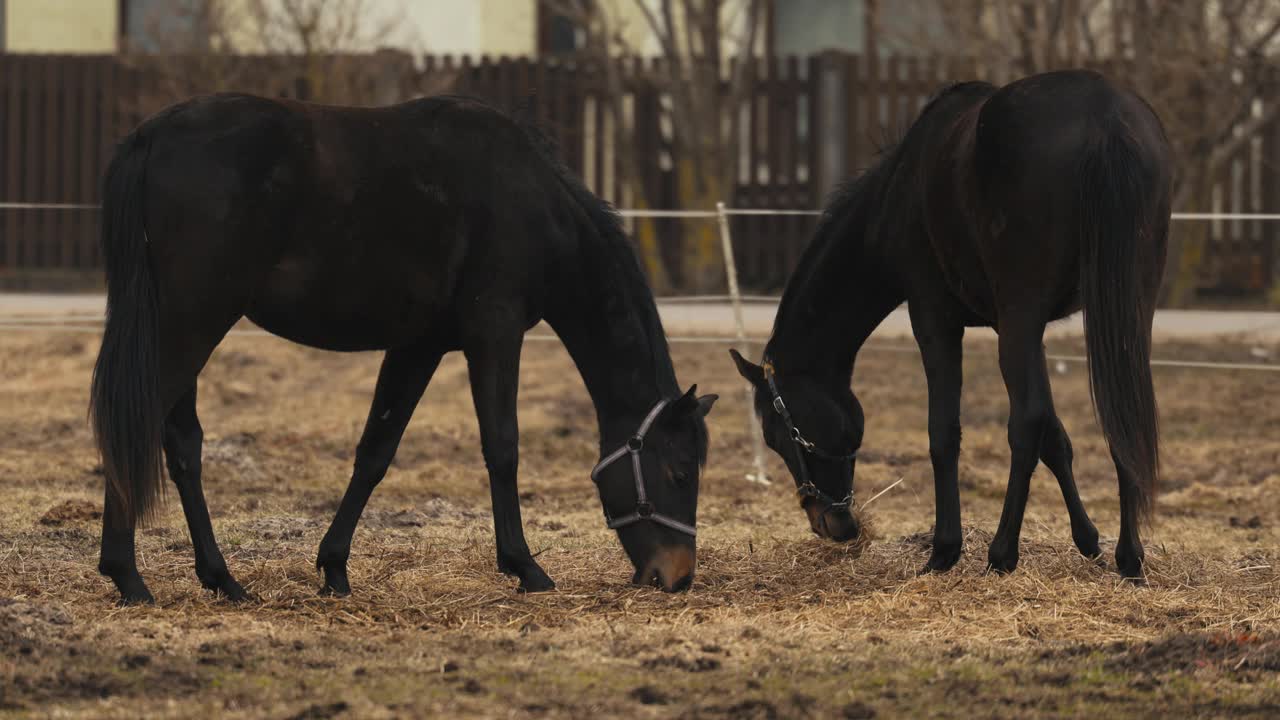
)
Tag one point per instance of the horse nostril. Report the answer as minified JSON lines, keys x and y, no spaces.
{"x":648,"y":577}
{"x":671,"y":569}
{"x":841,"y":529}
{"x":817,"y":523}
{"x":680,"y":585}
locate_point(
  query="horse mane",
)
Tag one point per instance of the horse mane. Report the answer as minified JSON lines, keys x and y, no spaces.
{"x":846,"y":205}
{"x":860,"y":216}
{"x":619,"y":263}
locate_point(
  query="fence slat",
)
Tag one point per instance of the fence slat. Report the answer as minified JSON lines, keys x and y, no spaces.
{"x":89,"y":166}
{"x":14,"y":74}
{"x":1270,"y":169}
{"x":45,"y":244}
{"x":34,"y":154}
{"x":68,"y":118}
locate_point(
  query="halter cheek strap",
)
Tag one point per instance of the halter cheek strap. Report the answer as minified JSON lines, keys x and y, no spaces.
{"x":644,"y":509}
{"x":805,"y":486}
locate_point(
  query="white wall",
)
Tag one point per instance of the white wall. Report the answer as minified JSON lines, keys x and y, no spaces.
{"x":495,"y":27}
{"x":60,"y":26}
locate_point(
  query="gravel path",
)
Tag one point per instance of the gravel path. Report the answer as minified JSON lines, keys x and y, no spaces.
{"x":716,"y":318}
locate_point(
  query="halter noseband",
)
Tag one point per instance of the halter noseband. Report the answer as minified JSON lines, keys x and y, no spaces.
{"x":644,"y":509}
{"x":805,"y":488}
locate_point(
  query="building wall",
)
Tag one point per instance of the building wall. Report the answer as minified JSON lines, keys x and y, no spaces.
{"x":60,"y":26}
{"x":494,"y":27}
{"x":802,"y":27}
{"x":473,"y":27}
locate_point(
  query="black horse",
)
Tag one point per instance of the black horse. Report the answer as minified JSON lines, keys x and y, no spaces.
{"x":1005,"y":207}
{"x":437,"y":225}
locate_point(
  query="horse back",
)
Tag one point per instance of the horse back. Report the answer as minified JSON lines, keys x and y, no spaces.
{"x":341,"y":227}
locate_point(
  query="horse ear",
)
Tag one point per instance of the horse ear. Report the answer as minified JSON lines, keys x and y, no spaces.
{"x":684,"y":404}
{"x":747,"y":369}
{"x":705,"y":402}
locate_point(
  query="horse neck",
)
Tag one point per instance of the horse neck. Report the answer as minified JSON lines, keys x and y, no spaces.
{"x":844,"y":288}
{"x":609,"y":324}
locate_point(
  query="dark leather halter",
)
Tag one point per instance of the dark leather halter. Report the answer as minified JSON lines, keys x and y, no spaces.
{"x":804,"y":484}
{"x":644,"y":509}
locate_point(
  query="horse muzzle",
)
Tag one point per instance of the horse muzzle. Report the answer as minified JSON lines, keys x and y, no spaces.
{"x":837,"y":524}
{"x":670,"y":569}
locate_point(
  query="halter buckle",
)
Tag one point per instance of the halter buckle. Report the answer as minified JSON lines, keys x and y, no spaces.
{"x":779,"y":406}
{"x":800,"y":440}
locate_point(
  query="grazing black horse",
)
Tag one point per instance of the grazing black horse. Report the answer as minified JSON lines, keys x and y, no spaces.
{"x":436,"y":225}
{"x":1004,"y":207}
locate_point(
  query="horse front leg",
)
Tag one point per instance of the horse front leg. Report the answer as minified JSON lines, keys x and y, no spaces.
{"x":403,"y":378}
{"x":493,"y":364}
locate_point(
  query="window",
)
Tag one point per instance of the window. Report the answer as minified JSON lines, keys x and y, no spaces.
{"x":803,"y":27}
{"x":559,"y":33}
{"x":156,"y":25}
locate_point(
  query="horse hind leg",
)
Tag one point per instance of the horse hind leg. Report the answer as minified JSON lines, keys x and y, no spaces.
{"x":404,"y":376}
{"x":1129,"y":552}
{"x":942,"y":350}
{"x":1030,"y":408}
{"x":119,"y":560}
{"x":183,"y":438}
{"x":182,"y":354}
{"x":1056,"y":453}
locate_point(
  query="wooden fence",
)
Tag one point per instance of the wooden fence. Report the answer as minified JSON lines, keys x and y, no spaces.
{"x":59,"y":119}
{"x":807,"y":123}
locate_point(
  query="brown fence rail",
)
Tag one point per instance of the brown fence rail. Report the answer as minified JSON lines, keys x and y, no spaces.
{"x":806,"y":124}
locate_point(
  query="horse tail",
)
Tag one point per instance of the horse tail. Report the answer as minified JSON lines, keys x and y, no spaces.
{"x":1118,"y":214}
{"x":125,"y":397}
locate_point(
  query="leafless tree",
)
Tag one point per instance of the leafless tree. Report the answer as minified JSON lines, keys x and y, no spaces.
{"x":705,"y":46}
{"x":328,"y":39}
{"x":314,"y":49}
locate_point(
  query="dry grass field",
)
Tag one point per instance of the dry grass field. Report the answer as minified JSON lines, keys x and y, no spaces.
{"x":777,"y":624}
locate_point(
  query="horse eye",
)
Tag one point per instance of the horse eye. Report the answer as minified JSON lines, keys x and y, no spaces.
{"x":680,"y":477}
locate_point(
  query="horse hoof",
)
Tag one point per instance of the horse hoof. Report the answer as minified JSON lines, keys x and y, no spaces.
{"x":1087,"y":544}
{"x":1090,"y":549}
{"x":226,"y":588}
{"x":942,"y":559}
{"x":536,"y":582}
{"x":1002,"y":562}
{"x":1132,"y":572}
{"x":330,"y":591}
{"x":133,"y":591}
{"x":336,"y":586}
{"x":136,"y":597}
{"x":1129,"y":561}
{"x":232,"y":592}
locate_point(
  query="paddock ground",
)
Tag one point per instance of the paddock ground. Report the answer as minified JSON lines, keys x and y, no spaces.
{"x":778,"y":624}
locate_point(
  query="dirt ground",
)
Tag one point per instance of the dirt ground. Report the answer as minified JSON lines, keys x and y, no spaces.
{"x":778,"y":624}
